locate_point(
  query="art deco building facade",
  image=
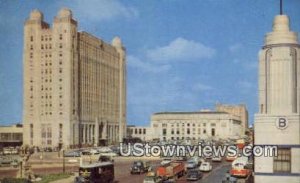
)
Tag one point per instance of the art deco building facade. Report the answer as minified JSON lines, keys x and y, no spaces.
{"x":278,"y":121}
{"x":195,"y":125}
{"x":237,"y":110}
{"x":74,"y":84}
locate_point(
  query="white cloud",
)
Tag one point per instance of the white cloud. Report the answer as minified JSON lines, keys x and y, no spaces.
{"x":99,"y":10}
{"x":235,"y":48}
{"x":146,"y":66}
{"x":181,"y":49}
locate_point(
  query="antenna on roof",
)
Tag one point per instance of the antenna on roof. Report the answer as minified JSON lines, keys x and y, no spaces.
{"x":280,"y":7}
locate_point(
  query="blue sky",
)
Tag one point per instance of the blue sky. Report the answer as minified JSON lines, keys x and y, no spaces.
{"x":182,"y":55}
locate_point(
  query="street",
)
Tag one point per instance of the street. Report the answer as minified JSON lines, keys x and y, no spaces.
{"x":53,"y":164}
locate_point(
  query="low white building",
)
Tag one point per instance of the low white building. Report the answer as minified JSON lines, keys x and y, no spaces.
{"x":144,"y":133}
{"x":195,"y":125}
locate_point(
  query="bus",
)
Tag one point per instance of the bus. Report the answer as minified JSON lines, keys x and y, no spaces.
{"x":100,"y":172}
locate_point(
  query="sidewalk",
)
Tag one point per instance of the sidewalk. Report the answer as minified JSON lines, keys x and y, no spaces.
{"x":67,"y":180}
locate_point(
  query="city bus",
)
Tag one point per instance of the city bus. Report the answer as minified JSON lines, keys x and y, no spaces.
{"x":100,"y":172}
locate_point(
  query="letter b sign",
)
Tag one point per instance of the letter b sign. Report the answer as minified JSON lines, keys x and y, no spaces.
{"x":281,"y":123}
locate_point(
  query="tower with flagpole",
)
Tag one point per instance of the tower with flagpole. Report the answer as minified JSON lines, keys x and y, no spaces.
{"x":277,"y":122}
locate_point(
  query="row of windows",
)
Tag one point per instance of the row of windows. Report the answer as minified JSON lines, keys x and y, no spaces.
{"x":188,"y":131}
{"x":46,"y":46}
{"x":50,"y":113}
{"x":139,"y":131}
{"x":46,"y":38}
{"x":187,"y":124}
{"x":50,"y":70}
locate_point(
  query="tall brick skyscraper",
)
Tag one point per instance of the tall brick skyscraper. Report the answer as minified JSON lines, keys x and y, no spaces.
{"x":74,"y":84}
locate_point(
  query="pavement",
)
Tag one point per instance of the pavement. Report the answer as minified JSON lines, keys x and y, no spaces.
{"x":68,"y":180}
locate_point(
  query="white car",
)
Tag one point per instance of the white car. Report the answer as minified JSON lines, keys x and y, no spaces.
{"x":94,"y":151}
{"x":217,"y":158}
{"x":191,"y":163}
{"x":205,"y":167}
{"x":111,"y":154}
{"x":165,"y":161}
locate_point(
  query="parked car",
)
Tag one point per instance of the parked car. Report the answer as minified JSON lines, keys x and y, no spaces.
{"x":140,"y":167}
{"x":230,"y":157}
{"x":72,"y":154}
{"x":86,"y":152}
{"x":165,"y":161}
{"x":217,"y":158}
{"x":94,"y":151}
{"x":194,"y":175}
{"x":14,"y":163}
{"x":105,"y":158}
{"x":110,"y":153}
{"x":229,"y":179}
{"x":191,"y":163}
{"x":48,"y":149}
{"x":205,"y":167}
{"x":5,"y":161}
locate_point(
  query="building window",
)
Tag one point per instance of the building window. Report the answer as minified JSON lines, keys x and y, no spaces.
{"x":164,"y":131}
{"x":140,"y":131}
{"x":31,"y":38}
{"x":60,"y":36}
{"x":144,"y":131}
{"x":213,"y":131}
{"x":188,"y":131}
{"x":204,"y":131}
{"x":31,"y":130}
{"x":60,"y":130}
{"x":135,"y":131}
{"x":282,"y":162}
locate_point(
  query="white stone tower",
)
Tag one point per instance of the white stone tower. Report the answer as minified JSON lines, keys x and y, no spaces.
{"x":278,"y":120}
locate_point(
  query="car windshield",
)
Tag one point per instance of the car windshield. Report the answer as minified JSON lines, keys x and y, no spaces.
{"x":192,"y":172}
{"x":138,"y":163}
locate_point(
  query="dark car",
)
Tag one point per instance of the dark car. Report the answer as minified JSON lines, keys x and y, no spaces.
{"x":194,"y":175}
{"x":140,"y":167}
{"x":103,"y":158}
